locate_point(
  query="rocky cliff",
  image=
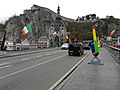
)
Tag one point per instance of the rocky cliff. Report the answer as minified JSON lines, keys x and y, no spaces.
{"x":39,"y":18}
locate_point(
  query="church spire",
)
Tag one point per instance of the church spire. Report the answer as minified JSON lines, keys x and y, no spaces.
{"x":58,"y":16}
{"x":58,"y":10}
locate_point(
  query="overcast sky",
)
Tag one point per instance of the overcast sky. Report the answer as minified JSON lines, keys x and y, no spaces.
{"x":69,"y":8}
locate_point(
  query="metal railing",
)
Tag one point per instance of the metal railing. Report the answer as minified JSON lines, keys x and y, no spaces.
{"x":115,"y":52}
{"x":24,"y":47}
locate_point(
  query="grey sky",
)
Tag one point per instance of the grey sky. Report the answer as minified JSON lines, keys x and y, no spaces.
{"x":69,"y":8}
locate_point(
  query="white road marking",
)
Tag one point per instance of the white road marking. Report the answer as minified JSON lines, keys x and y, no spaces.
{"x":25,"y":59}
{"x":70,"y":71}
{"x":4,"y":63}
{"x":47,"y":53}
{"x":39,"y":56}
{"x":54,"y":52}
{"x":31,"y":67}
{"x":5,"y":66}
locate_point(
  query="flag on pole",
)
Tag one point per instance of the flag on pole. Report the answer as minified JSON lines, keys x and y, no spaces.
{"x":111,"y":33}
{"x":66,"y":37}
{"x":26,"y":29}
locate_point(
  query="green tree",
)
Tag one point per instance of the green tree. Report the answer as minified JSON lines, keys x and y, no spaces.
{"x":81,"y":31}
{"x":2,"y":26}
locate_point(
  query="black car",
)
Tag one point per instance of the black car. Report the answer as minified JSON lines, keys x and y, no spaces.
{"x":75,"y":49}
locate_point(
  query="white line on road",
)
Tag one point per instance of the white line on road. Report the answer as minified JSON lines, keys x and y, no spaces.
{"x":47,"y":53}
{"x":25,"y":59}
{"x":67,"y":74}
{"x":31,"y":67}
{"x":39,"y":56}
{"x":4,"y":63}
{"x":54,"y":52}
{"x":5,"y":66}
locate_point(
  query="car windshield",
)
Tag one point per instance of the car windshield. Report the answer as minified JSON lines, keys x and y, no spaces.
{"x":65,"y":44}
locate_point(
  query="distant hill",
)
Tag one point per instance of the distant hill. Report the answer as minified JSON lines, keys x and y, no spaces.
{"x":83,"y":31}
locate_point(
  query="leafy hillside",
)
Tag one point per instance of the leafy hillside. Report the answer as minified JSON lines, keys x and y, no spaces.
{"x":2,"y":26}
{"x":83,"y":31}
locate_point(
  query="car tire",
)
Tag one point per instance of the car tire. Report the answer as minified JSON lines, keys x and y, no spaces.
{"x":79,"y":54}
{"x":69,"y":54}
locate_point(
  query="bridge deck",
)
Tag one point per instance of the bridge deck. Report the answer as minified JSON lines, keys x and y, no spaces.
{"x":94,"y":77}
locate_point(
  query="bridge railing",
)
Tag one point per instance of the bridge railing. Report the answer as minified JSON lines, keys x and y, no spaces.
{"x":25,"y":47}
{"x":115,"y":52}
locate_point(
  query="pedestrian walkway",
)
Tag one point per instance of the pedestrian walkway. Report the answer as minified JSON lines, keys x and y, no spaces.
{"x":94,"y":77}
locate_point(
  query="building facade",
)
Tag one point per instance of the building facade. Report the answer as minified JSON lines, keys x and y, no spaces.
{"x":58,"y":31}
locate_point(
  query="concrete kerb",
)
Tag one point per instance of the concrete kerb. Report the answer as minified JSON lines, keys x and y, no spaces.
{"x":54,"y":86}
